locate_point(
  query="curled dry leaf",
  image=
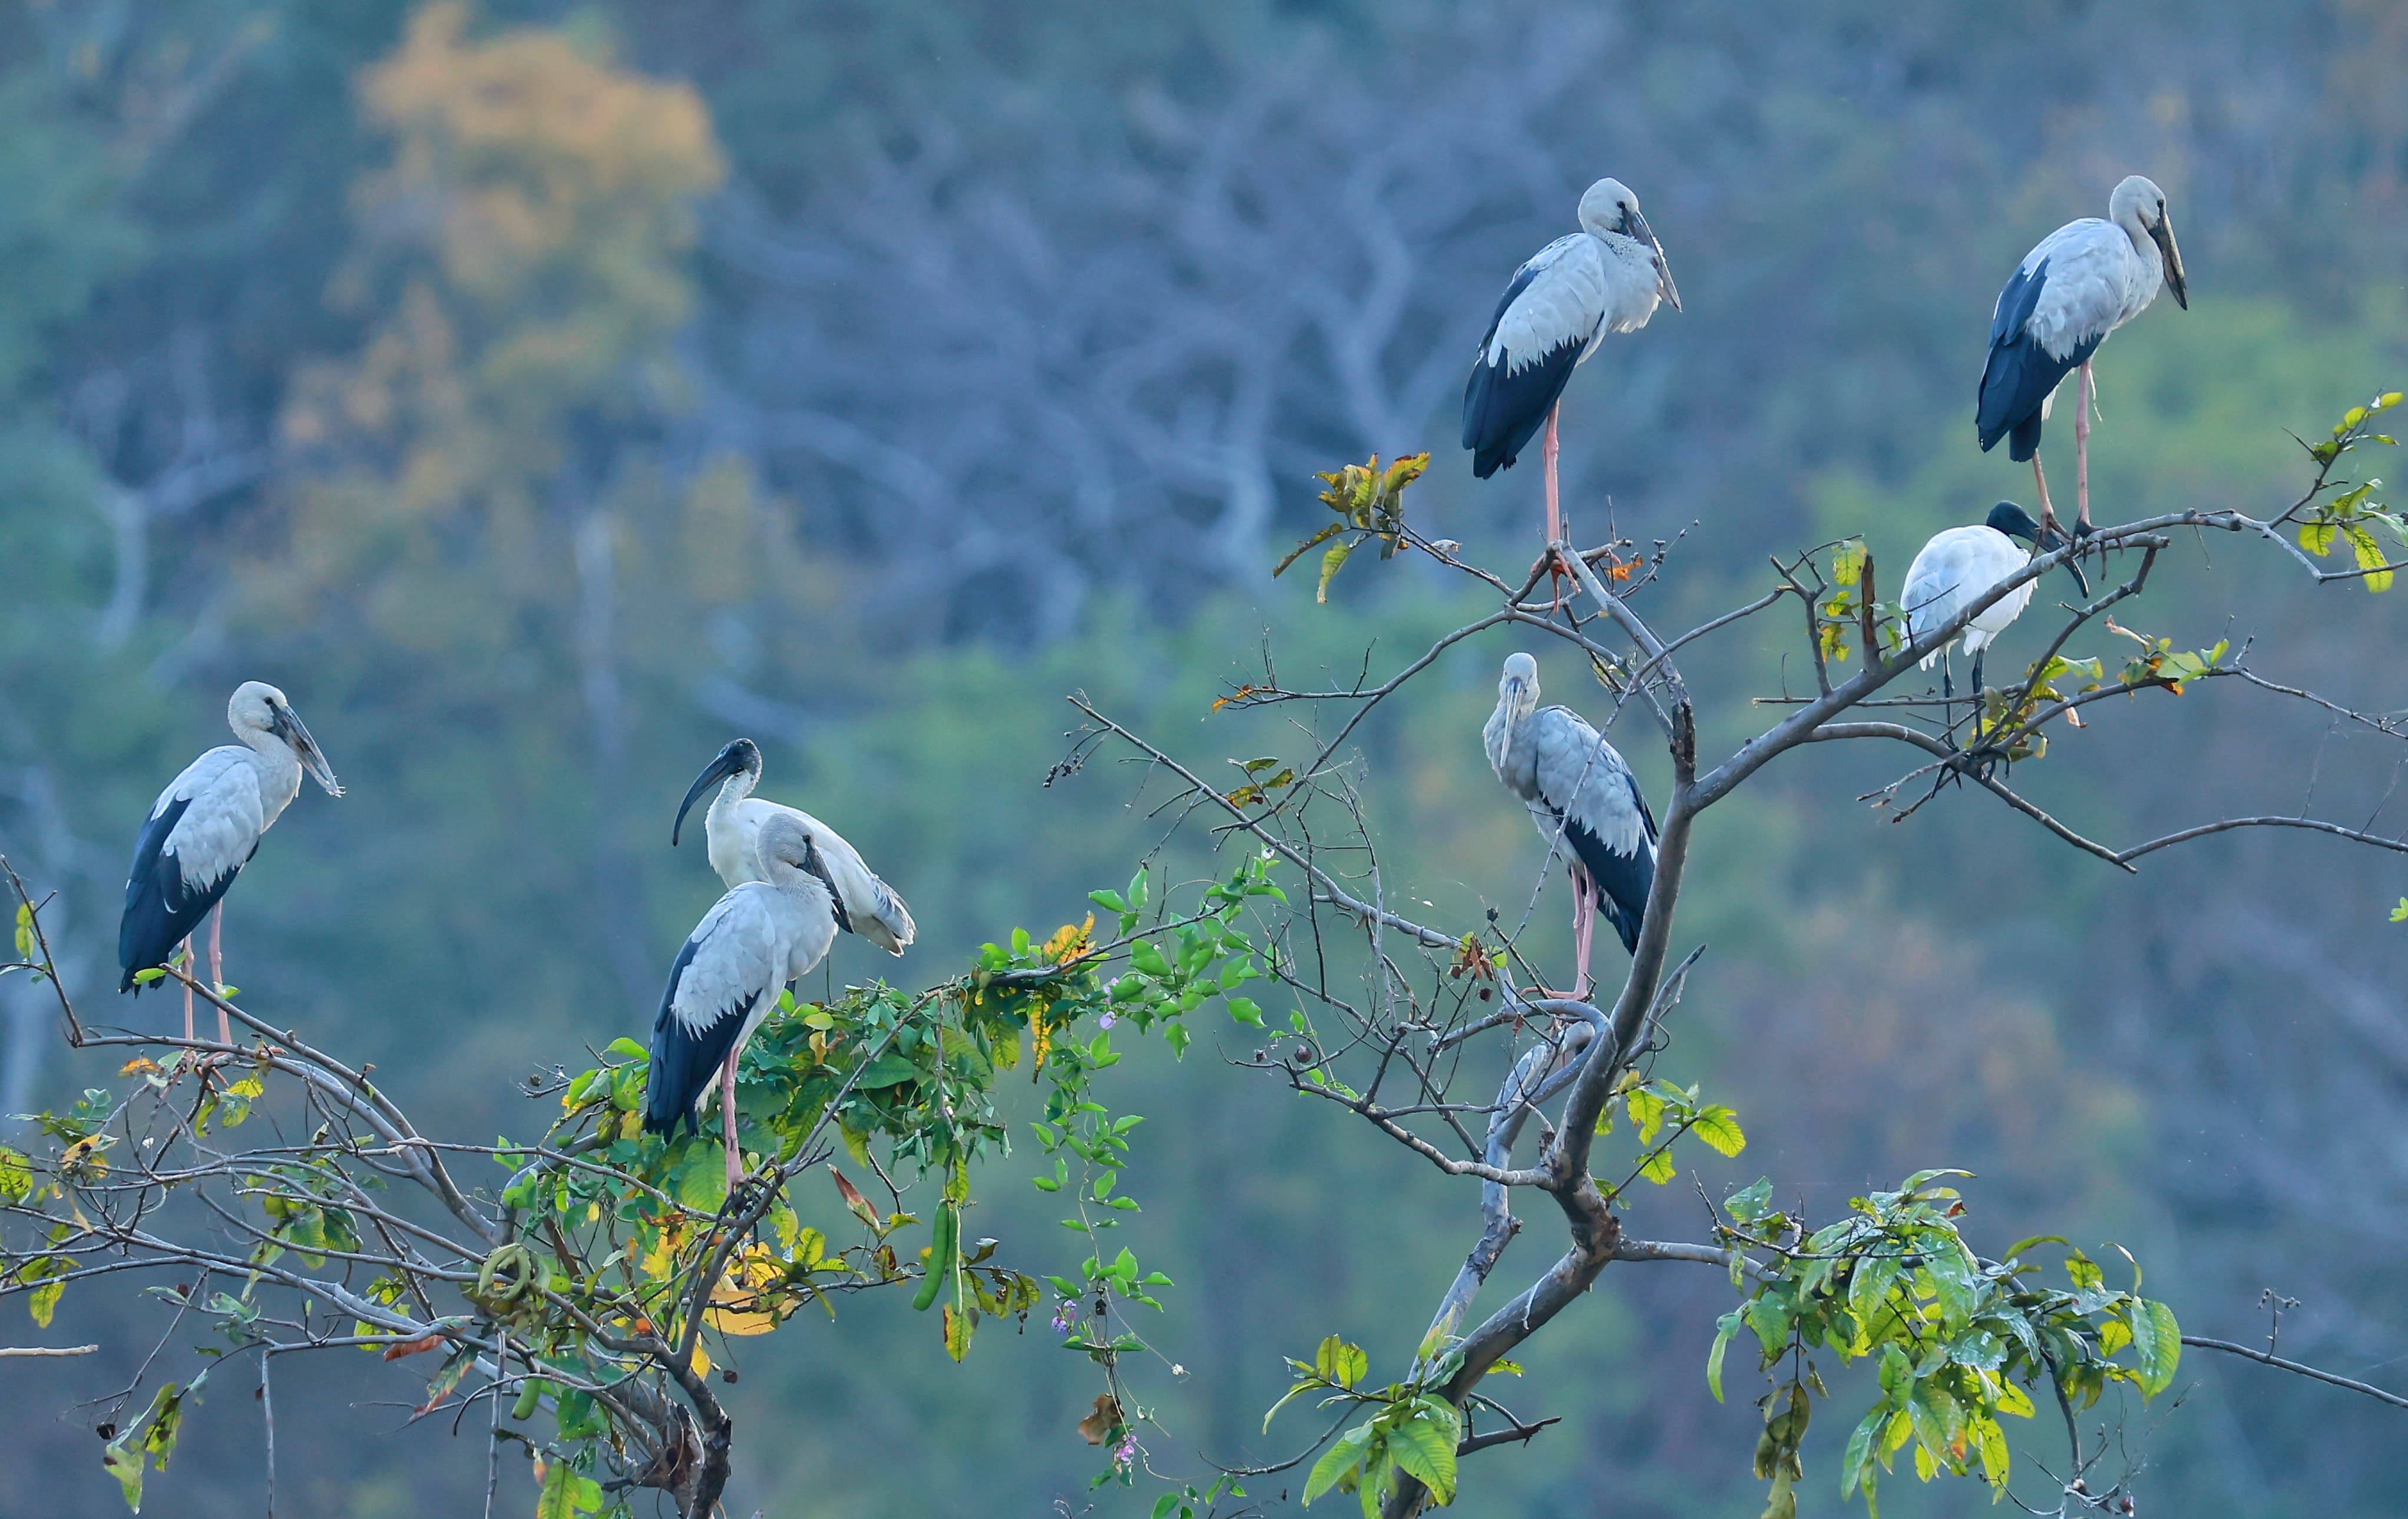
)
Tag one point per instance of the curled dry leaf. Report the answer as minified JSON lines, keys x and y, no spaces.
{"x":1104,"y":1422}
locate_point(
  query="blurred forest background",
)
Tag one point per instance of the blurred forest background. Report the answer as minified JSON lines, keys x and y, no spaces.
{"x":544,"y":394}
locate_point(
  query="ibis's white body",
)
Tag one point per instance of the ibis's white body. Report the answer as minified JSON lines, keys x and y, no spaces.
{"x":732,"y":832}
{"x":1952,"y":572}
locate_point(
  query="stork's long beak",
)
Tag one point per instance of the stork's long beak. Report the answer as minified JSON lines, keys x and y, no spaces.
{"x":1664,"y":286}
{"x":2163,"y":236}
{"x":721,"y":766}
{"x":313,"y":759}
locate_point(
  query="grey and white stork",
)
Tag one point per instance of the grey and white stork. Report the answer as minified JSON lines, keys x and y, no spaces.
{"x":753,"y":944}
{"x":1962,"y":563}
{"x":1605,"y":278}
{"x":205,"y":827}
{"x":1580,"y":793}
{"x":865,"y":905}
{"x":2082,"y":282}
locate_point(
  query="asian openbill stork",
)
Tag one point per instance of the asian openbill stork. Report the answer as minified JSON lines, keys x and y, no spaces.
{"x":1581,"y":792}
{"x":1962,"y":563}
{"x":2082,"y":282}
{"x":755,"y":941}
{"x":204,"y":829}
{"x":865,"y":905}
{"x":1608,"y":277}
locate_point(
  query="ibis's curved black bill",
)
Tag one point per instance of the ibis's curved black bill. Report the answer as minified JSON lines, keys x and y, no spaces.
{"x":737,"y":758}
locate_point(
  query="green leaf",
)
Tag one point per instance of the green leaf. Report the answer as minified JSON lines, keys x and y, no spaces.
{"x":149,"y":1440}
{"x":703,"y":1184}
{"x":1424,"y":1445}
{"x":1726,"y":1326}
{"x":1306,"y":547}
{"x":1658,"y":1167}
{"x":1339,"y":1362}
{"x":17,"y":1173}
{"x":1992,"y":1442}
{"x":1340,"y":1460}
{"x":627,"y":1048}
{"x":889,"y":1070}
{"x":1331,"y":558}
{"x":1646,"y":1112}
{"x":1245,"y":1011}
{"x":2400,"y":913}
{"x":2369,"y":557}
{"x":566,"y":1494}
{"x":1856,"y":1462}
{"x":1750,"y":1202}
{"x":2157,"y":1343}
{"x":1719,"y":1127}
{"x":2316,"y":538}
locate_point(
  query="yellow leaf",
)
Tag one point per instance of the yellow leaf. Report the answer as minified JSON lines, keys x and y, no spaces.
{"x":701,"y":1362}
{"x":740,"y":1290}
{"x":1070,"y":942}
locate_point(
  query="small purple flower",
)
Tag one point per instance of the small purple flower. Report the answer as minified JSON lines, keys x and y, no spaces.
{"x":1125,"y":1454}
{"x":1066,"y":1318}
{"x":1108,"y":1020}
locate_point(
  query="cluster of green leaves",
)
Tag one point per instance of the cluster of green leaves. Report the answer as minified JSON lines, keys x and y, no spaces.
{"x":1174,"y":965}
{"x":1369,"y":502}
{"x":2352,"y":515}
{"x":1959,"y":1340}
{"x":1413,"y":1429}
{"x":2008,"y":719}
{"x":1846,"y":610}
{"x":1187,"y":961}
{"x":1661,"y":1115}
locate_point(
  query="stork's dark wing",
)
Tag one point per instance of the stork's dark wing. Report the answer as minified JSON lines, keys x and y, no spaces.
{"x":685,"y":1055}
{"x":2021,"y":374}
{"x":1548,"y":315}
{"x":201,"y":832}
{"x":1583,"y":782}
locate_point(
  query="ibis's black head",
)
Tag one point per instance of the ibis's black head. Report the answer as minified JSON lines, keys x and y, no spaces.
{"x":2016,"y":522}
{"x":741,"y":757}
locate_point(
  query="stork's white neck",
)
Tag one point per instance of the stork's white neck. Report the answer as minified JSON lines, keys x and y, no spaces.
{"x":279,"y":769}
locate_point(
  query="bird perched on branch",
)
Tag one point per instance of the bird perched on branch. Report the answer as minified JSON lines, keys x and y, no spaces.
{"x":865,"y":905}
{"x":1958,"y":567}
{"x":2082,"y":282}
{"x":1582,"y":798}
{"x":205,"y":827}
{"x":758,"y":939}
{"x":1608,"y":277}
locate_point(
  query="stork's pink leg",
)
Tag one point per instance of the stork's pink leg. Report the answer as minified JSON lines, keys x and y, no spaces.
{"x":188,"y":991}
{"x":1547,"y":451}
{"x":2082,"y":453}
{"x":727,"y":1117}
{"x":217,"y":970}
{"x":2047,"y":512}
{"x":1583,"y":926}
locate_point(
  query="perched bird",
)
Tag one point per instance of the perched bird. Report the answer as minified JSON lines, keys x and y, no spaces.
{"x":865,"y":905}
{"x":2082,"y":282}
{"x":1959,"y":565}
{"x":1579,"y":792}
{"x":754,"y":941}
{"x":1608,"y":277}
{"x":205,"y":827}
